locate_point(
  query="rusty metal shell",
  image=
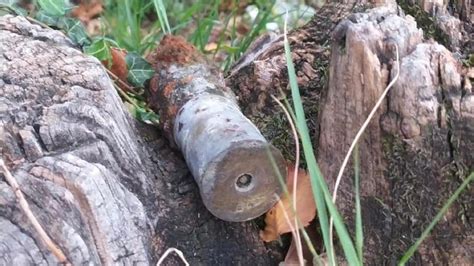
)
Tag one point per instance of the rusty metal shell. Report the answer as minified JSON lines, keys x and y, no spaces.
{"x":227,"y":155}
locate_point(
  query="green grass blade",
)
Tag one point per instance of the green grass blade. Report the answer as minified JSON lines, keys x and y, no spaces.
{"x":359,"y":236}
{"x":133,"y":26}
{"x":318,"y":184}
{"x":258,"y":26}
{"x":301,"y":125}
{"x":205,"y":25}
{"x":162,"y":16}
{"x":436,"y":219}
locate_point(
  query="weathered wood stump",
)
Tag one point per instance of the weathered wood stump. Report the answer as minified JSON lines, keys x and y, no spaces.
{"x":417,"y":149}
{"x":107,"y":189}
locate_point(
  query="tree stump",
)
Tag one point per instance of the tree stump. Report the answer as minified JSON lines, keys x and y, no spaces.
{"x":417,"y":149}
{"x":106,"y":189}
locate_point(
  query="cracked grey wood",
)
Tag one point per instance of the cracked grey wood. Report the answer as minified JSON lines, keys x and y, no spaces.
{"x":107,"y":189}
{"x":65,"y":129}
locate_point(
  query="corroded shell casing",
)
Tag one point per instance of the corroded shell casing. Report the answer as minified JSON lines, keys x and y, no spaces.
{"x":232,"y":163}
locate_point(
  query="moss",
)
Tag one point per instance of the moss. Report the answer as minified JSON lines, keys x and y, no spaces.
{"x":426,"y":22}
{"x":276,"y":129}
{"x":421,"y":181}
{"x":275,"y":126}
{"x":469,"y":61}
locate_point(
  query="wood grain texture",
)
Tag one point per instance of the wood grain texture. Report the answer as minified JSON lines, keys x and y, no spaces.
{"x":107,"y":189}
{"x":417,"y":149}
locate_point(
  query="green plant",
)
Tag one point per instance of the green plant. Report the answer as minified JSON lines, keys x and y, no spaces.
{"x":321,"y":193}
{"x":55,"y":13}
{"x":129,"y":23}
{"x":359,"y":235}
{"x":11,"y":6}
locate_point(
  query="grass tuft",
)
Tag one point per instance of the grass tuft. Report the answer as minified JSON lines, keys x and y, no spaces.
{"x":162,"y":16}
{"x":318,"y":184}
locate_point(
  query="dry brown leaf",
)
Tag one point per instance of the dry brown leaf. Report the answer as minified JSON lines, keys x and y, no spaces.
{"x":210,"y":47}
{"x":87,"y":10}
{"x":118,"y":66}
{"x":276,"y":223}
{"x":231,"y":5}
{"x":93,"y":27}
{"x":291,"y":257}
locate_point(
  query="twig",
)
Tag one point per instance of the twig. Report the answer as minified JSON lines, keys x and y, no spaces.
{"x":132,"y":102}
{"x":168,"y":251}
{"x":288,"y":221}
{"x":356,"y":139}
{"x":117,"y":79}
{"x":35,"y":21}
{"x":124,"y":95}
{"x":57,"y":252}
{"x":299,"y":247}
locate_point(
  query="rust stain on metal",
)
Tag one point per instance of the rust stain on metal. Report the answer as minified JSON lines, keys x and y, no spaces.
{"x":175,"y":49}
{"x":154,"y":85}
{"x":167,"y":119}
{"x":169,"y":88}
{"x":226,"y":154}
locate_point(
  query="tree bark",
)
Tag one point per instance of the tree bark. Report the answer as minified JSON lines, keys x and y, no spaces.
{"x":417,"y":149}
{"x":107,"y":189}
{"x":448,"y":22}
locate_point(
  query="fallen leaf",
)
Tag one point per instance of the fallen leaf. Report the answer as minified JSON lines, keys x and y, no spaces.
{"x":87,"y":10}
{"x":210,"y":47}
{"x":276,"y":223}
{"x":119,"y":65}
{"x":315,"y":237}
{"x":234,"y":6}
{"x":94,"y":27}
{"x":291,"y":257}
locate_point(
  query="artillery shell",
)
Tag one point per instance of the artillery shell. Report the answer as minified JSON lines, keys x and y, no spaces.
{"x":227,"y":155}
